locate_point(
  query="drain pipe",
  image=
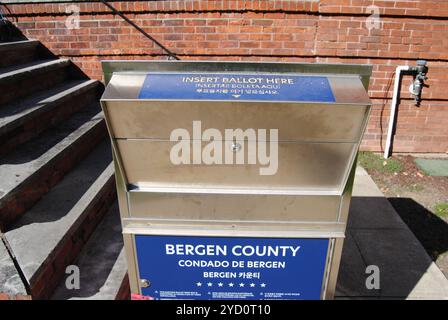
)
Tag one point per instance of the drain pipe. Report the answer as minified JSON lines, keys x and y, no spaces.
{"x":415,"y":89}
{"x":393,"y":108}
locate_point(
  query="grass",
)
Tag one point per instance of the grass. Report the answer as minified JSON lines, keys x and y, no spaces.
{"x":372,"y":161}
{"x":441,"y":209}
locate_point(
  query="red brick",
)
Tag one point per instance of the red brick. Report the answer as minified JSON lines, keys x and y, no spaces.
{"x":297,"y":34}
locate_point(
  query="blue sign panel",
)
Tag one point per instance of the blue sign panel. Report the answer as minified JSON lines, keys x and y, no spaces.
{"x":231,"y":268}
{"x":212,"y":86}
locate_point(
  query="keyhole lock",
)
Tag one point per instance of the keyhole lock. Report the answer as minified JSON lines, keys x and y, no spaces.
{"x":235,"y":147}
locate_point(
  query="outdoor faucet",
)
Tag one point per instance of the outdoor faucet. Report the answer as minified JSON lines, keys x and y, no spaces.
{"x":417,"y":85}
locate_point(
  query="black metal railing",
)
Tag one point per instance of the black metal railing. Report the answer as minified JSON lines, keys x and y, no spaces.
{"x":170,"y":54}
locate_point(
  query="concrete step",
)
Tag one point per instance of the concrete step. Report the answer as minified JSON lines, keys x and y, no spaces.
{"x":18,"y":52}
{"x":19,"y":122}
{"x":24,"y":79}
{"x":102,"y":264}
{"x":30,"y":171}
{"x":50,"y":235}
{"x":8,"y":32}
{"x":11,"y":284}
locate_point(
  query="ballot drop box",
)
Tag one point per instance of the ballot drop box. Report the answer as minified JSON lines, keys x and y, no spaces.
{"x":234,"y":179}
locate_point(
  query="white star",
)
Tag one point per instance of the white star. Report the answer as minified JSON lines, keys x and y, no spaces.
{"x":241,"y":284}
{"x":209,"y":284}
{"x":199,"y":284}
{"x":220,"y":284}
{"x":252,"y":285}
{"x":230,"y":284}
{"x":263,"y":285}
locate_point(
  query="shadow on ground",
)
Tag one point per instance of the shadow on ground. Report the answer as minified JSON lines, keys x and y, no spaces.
{"x":429,"y":229}
{"x":377,"y":236}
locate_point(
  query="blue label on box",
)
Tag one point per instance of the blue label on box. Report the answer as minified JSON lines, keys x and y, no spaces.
{"x":211,"y":86}
{"x":231,"y":268}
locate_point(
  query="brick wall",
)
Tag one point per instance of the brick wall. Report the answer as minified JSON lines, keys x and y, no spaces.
{"x":296,"y":30}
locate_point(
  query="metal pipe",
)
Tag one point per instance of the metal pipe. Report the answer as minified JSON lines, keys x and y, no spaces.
{"x":393,"y":108}
{"x":416,"y":87}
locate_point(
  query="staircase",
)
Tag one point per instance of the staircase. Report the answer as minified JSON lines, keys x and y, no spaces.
{"x":57,"y":191}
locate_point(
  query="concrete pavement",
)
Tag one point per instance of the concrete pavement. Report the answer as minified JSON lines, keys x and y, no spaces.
{"x":376,"y":235}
